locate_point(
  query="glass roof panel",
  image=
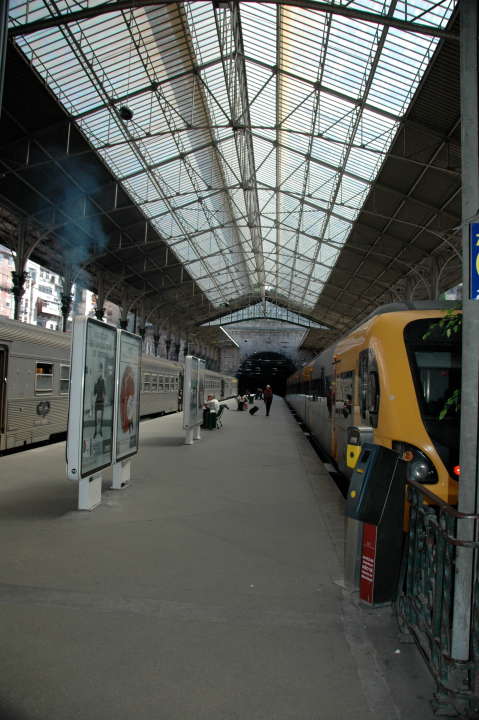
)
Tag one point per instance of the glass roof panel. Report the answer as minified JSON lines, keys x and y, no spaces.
{"x":261,"y":131}
{"x":265,"y":309}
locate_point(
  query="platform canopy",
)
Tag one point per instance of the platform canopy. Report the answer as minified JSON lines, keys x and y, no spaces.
{"x":251,"y":137}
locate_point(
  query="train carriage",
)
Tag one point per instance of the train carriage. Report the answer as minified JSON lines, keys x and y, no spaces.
{"x":387,"y":381}
{"x":35,"y":383}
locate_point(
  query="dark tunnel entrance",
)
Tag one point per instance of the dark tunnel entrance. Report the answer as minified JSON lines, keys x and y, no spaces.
{"x":265,"y":368}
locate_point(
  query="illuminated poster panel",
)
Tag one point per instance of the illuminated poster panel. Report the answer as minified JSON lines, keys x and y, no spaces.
{"x":193,"y":392}
{"x":98,"y":397}
{"x":128,"y":395}
{"x":92,"y":392}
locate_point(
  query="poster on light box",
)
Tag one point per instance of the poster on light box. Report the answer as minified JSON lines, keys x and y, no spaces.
{"x":193,"y":398}
{"x":92,"y":393}
{"x":128,"y":395}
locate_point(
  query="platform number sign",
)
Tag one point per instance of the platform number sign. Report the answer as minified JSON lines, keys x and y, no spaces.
{"x":474,"y":261}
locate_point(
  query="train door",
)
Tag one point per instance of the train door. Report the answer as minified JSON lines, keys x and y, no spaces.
{"x":222,"y":396}
{"x":343,"y":415}
{"x":3,"y":390}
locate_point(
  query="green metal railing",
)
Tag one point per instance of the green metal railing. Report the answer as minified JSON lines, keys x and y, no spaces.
{"x":425,"y":600}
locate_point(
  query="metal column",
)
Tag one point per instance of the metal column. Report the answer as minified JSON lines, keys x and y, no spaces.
{"x":468,"y":501}
{"x":3,"y":45}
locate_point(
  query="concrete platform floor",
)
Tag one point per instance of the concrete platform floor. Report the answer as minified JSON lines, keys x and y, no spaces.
{"x":210,"y":589}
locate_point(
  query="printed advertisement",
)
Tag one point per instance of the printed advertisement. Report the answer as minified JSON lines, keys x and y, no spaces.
{"x":128,"y":409}
{"x":193,"y":400}
{"x":98,"y":398}
{"x":201,"y":390}
{"x":194,"y":392}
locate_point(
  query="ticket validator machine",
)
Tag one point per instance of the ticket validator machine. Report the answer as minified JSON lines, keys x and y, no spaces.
{"x":376,"y":498}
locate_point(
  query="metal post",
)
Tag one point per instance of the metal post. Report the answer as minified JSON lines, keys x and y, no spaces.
{"x":3,"y":44}
{"x":470,"y":332}
{"x":18,"y":291}
{"x":66,"y":305}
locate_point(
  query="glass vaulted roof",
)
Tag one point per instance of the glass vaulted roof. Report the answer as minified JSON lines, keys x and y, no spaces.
{"x":257,"y":129}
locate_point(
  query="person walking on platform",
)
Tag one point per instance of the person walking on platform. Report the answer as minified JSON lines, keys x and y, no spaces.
{"x":268,"y":398}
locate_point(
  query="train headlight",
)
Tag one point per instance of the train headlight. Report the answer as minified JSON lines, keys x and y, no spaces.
{"x":420,"y":468}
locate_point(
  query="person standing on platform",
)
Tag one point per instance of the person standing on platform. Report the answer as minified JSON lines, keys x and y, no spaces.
{"x":268,"y":398}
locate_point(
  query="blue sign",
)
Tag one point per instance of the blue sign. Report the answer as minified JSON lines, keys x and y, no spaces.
{"x":474,"y":261}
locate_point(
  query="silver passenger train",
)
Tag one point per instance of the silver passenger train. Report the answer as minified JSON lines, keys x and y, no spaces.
{"x":35,"y":382}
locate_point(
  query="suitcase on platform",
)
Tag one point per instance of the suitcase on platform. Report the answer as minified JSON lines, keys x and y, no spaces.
{"x":254,"y":410}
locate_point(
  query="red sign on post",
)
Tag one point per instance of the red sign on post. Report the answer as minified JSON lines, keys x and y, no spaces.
{"x":368,"y":563}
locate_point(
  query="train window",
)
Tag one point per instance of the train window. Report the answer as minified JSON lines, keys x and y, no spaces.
{"x":44,"y":377}
{"x":373,"y":389}
{"x":64,"y":379}
{"x":363,"y":383}
{"x":154,"y":383}
{"x":161,"y":384}
{"x":146,"y":383}
{"x":373,"y":398}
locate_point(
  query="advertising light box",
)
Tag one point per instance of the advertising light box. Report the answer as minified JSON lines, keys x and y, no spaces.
{"x":92,"y":393}
{"x":193,"y":392}
{"x":128,"y":396}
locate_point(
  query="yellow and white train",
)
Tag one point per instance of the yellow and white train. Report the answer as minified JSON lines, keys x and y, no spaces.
{"x":387,"y":382}
{"x":35,"y":382}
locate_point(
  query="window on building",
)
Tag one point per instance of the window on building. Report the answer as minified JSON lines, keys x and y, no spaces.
{"x":43,"y":377}
{"x":64,"y":379}
{"x":45,"y":289}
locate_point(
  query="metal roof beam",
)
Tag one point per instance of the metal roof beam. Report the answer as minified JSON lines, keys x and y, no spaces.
{"x":368,"y":80}
{"x":324,"y":89}
{"x":398,"y":210}
{"x":326,"y":7}
{"x":315,"y":161}
{"x":228,"y":25}
{"x":219,"y":160}
{"x":152,"y":87}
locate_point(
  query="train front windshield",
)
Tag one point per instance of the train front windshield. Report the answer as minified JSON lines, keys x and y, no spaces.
{"x":439,"y":375}
{"x":435,"y":363}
